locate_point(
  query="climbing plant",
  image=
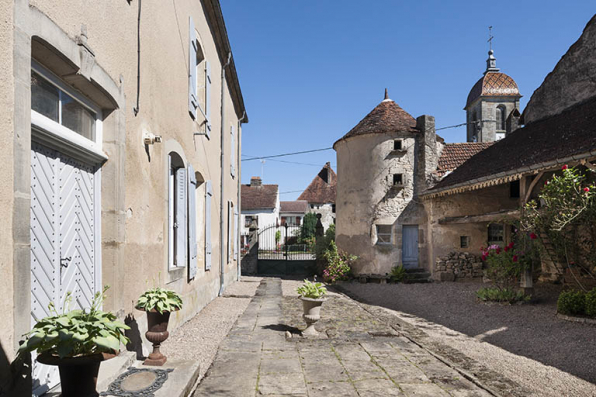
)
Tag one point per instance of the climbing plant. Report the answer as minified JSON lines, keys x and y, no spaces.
{"x":565,"y":215}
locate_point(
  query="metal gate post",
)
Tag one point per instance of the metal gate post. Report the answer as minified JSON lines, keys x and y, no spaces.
{"x":286,"y":242}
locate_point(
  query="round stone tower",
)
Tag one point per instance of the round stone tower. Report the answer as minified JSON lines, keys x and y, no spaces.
{"x":382,"y":165}
{"x":490,"y":103}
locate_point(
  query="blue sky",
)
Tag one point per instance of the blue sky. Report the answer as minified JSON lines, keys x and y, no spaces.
{"x":311,"y":70}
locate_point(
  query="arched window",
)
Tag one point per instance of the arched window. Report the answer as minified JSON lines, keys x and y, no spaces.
{"x":177,"y":223}
{"x":500,"y":117}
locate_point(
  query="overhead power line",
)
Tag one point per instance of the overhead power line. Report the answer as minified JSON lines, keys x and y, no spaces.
{"x":330,"y":148}
{"x":286,"y":154}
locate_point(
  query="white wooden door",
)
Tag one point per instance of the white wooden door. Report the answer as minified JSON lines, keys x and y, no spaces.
{"x":410,"y":246}
{"x":63,"y":257}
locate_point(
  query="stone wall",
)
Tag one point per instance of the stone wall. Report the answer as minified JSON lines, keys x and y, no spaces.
{"x":458,"y":265}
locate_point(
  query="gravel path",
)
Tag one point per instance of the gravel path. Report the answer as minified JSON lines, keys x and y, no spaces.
{"x":199,"y":338}
{"x":526,"y":343}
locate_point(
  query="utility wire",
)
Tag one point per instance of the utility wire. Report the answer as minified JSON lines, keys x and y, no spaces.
{"x":286,"y":154}
{"x":330,"y":148}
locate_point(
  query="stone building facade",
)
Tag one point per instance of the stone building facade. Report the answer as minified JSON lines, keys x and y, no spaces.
{"x":384,"y":163}
{"x":120,"y":164}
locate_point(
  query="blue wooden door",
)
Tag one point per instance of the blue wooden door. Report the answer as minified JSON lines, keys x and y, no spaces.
{"x":410,"y":246}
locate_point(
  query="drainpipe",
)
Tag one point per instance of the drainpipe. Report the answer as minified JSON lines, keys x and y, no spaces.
{"x":222,"y":234}
{"x":238,"y":175}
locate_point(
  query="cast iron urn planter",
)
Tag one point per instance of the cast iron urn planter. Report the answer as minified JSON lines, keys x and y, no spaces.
{"x":157,"y":325}
{"x":312,"y":314}
{"x":78,"y":375}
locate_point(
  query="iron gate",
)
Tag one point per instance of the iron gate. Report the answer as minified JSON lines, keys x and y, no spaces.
{"x":284,"y":242}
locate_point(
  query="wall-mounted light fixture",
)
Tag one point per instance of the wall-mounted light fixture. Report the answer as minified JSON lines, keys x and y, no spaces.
{"x":150,"y":139}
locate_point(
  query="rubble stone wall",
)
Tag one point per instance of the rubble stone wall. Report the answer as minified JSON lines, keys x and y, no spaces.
{"x":458,"y":265}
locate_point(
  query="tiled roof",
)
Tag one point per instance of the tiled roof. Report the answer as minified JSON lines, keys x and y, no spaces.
{"x":386,"y":117}
{"x":455,"y":154}
{"x":322,"y":189}
{"x":553,"y":139}
{"x":493,"y":84}
{"x":259,"y":197}
{"x":298,"y":207}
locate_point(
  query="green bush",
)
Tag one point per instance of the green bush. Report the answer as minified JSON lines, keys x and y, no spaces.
{"x":591,"y":303}
{"x":508,"y":295}
{"x":398,"y":273}
{"x":572,"y":302}
{"x":337,"y":264}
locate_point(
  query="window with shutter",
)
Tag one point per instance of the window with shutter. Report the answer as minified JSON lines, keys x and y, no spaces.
{"x":208,"y":196}
{"x":208,"y":98}
{"x":230,"y":220}
{"x":232,"y":152}
{"x":180,"y":219}
{"x":193,"y":102}
{"x":236,"y":235}
{"x":192,"y":223}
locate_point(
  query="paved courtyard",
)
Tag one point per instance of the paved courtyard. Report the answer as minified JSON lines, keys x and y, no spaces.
{"x":356,"y":354}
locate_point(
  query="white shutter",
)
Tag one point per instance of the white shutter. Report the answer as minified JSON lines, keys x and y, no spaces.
{"x":192,"y":223}
{"x":171,"y":201}
{"x":193,"y":102}
{"x":208,"y":97}
{"x":230,"y":220}
{"x":208,"y":196}
{"x":236,"y":236}
{"x":233,"y":152}
{"x":180,"y":221}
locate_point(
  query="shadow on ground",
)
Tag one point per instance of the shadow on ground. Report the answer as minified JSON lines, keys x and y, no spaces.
{"x":531,"y":330}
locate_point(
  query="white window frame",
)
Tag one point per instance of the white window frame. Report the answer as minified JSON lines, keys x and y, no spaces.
{"x":390,"y":234}
{"x":63,"y":136}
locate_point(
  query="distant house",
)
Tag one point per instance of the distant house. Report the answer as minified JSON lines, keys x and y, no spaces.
{"x":292,"y":212}
{"x":320,"y":195}
{"x":260,"y":203}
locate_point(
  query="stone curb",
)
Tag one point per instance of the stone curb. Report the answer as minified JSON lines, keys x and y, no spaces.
{"x":401,"y":329}
{"x":581,"y":320}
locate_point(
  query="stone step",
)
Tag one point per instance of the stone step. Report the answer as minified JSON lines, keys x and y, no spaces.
{"x":414,"y":276}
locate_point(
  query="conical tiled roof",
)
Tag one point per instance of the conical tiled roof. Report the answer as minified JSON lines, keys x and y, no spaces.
{"x":387,"y":117}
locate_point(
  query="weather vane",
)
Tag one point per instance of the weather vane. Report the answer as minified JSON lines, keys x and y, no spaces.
{"x":490,"y":37}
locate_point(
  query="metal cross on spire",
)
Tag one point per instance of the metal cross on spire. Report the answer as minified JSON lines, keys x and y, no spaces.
{"x":490,"y":37}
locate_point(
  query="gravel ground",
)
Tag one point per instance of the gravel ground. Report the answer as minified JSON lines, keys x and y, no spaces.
{"x":199,"y":338}
{"x":526,"y":343}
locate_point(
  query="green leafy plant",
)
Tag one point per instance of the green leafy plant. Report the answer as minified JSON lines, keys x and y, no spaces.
{"x":572,"y":302}
{"x":591,"y":303}
{"x":311,"y":290}
{"x":77,"y":332}
{"x":159,"y":299}
{"x":398,"y":273}
{"x":563,"y":221}
{"x":508,"y":295}
{"x":338,"y":264}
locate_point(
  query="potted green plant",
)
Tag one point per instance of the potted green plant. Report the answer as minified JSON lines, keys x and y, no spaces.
{"x":158,"y":303}
{"x":77,"y":341}
{"x":312,"y":296}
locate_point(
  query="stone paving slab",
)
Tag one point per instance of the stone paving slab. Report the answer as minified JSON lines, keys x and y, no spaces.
{"x":356,"y":354}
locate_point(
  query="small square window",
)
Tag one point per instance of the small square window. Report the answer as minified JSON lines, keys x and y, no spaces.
{"x":397,"y":144}
{"x":464,"y":241}
{"x":398,"y":180}
{"x":384,"y":234}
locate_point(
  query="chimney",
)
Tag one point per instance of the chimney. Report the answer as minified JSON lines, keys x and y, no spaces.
{"x":428,"y":157}
{"x":256,"y":181}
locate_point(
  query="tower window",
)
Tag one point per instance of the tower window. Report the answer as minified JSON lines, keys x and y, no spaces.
{"x":398,"y":180}
{"x":384,"y":235}
{"x":397,"y":144}
{"x":500,"y":117}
